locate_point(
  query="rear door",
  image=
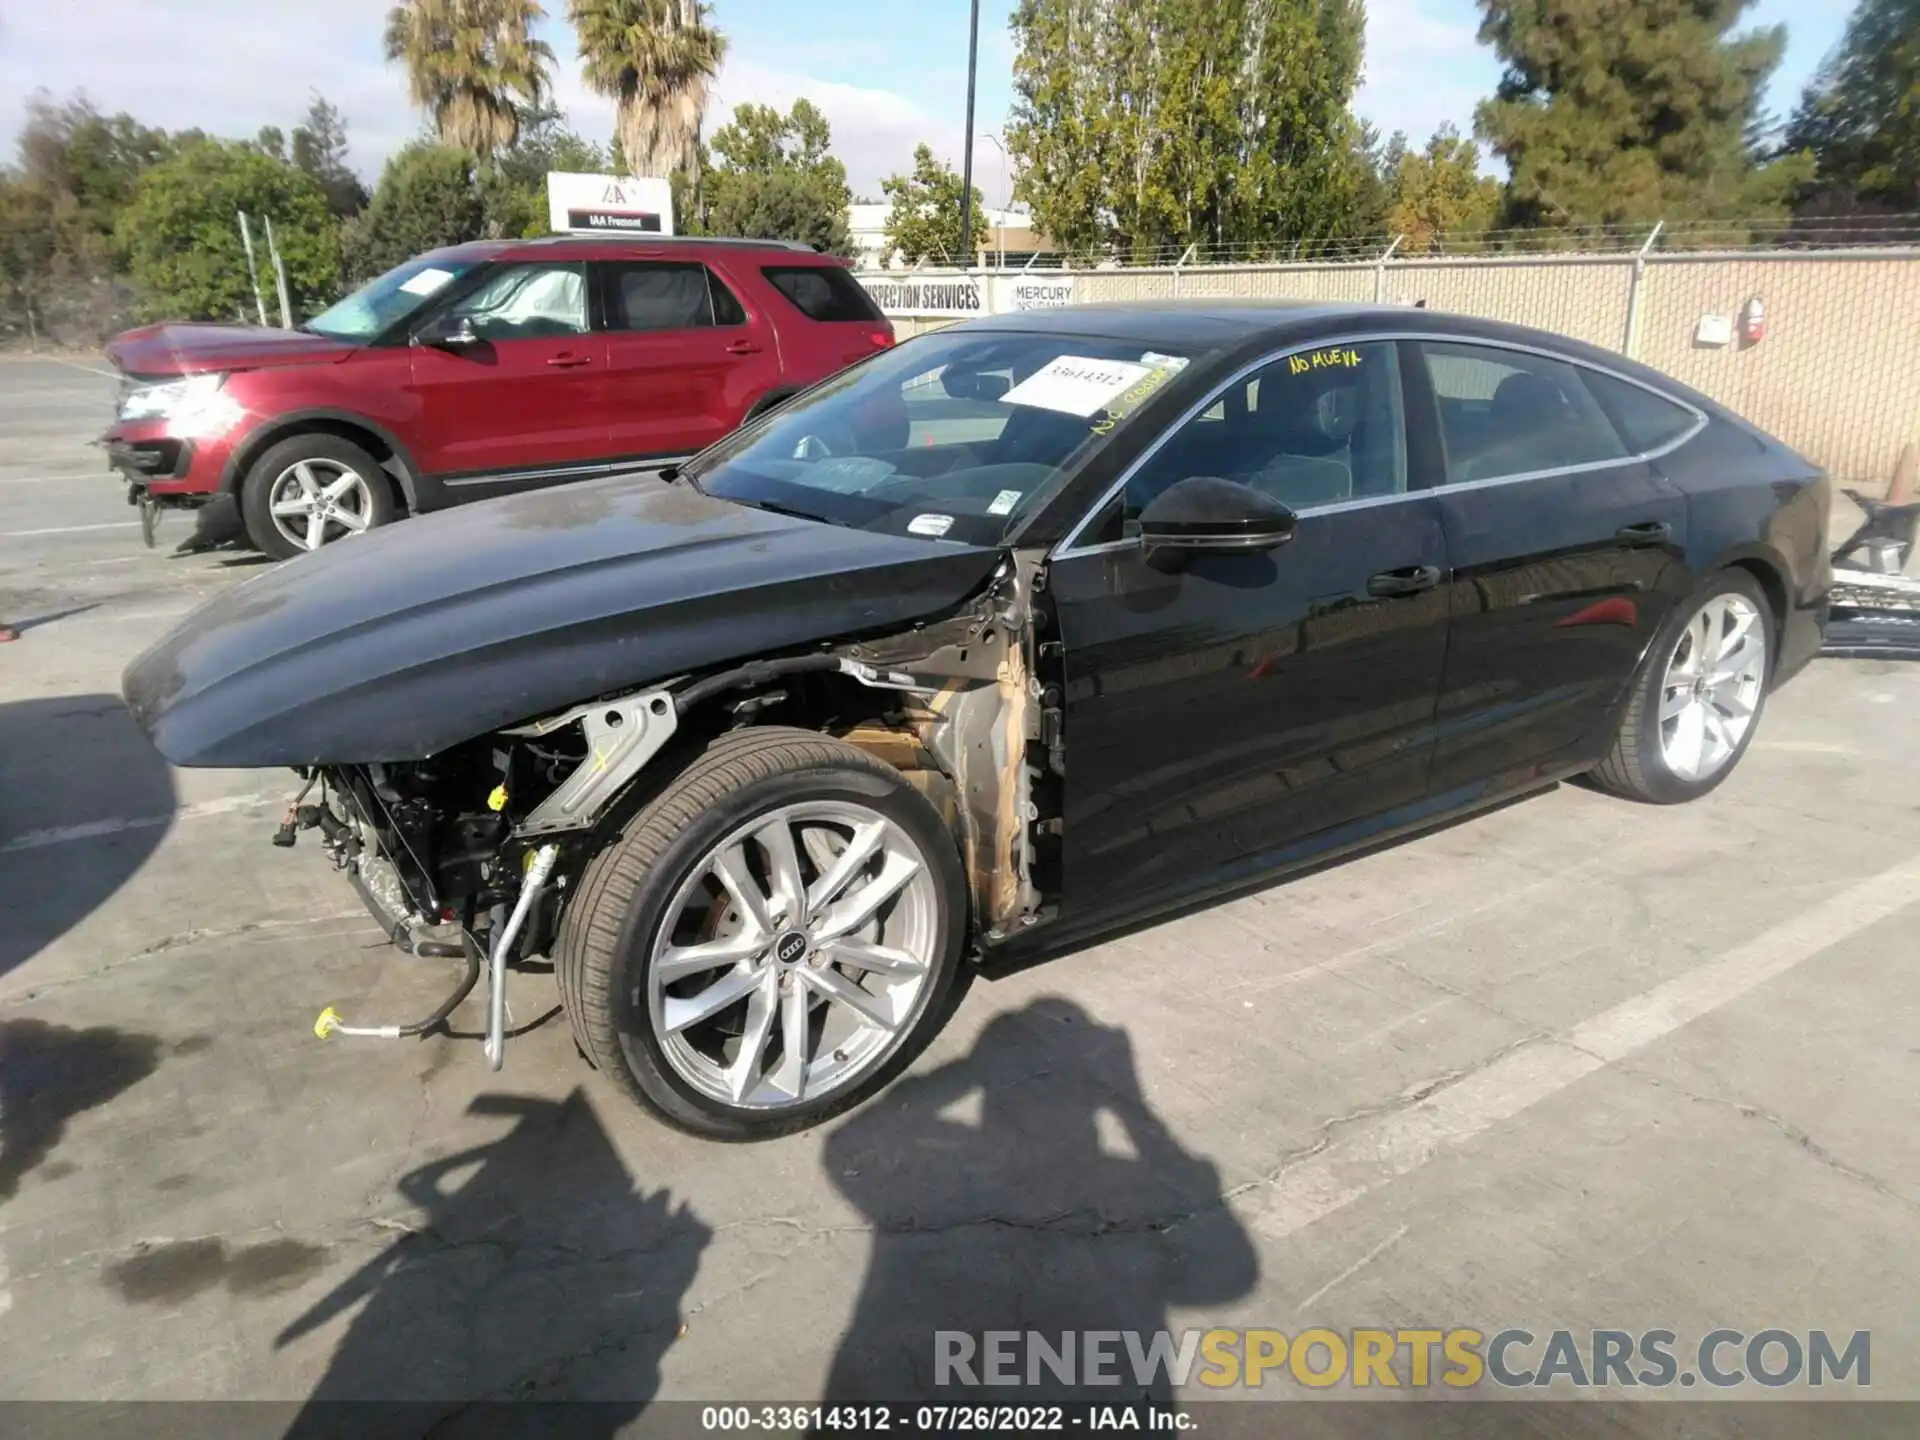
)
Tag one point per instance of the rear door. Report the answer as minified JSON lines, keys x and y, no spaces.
{"x":686,"y":359}
{"x":1567,"y":550}
{"x":526,"y":398}
{"x":1249,"y":711}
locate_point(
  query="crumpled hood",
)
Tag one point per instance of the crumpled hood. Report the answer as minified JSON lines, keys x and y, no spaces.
{"x":160,"y":350}
{"x":396,"y":645}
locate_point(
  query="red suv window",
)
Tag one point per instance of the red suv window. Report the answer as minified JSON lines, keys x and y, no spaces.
{"x":667,"y":295}
{"x":822,"y":292}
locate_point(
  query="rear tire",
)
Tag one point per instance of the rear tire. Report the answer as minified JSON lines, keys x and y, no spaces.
{"x":1676,"y":701}
{"x":318,"y":472}
{"x":626,"y":960}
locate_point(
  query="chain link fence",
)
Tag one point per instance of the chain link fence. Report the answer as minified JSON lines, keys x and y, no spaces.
{"x":1836,"y":373}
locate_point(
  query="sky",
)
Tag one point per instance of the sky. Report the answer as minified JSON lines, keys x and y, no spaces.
{"x":884,"y":81}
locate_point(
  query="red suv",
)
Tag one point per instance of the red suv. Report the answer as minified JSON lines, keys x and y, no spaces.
{"x":475,"y":371}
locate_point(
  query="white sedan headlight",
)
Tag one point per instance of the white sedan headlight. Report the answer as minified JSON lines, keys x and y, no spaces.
{"x":193,"y":407}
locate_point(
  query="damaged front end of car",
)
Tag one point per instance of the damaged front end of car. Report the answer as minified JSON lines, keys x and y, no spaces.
{"x":475,"y":852}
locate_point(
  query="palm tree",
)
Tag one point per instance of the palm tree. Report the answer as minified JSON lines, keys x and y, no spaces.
{"x":654,"y":59}
{"x":472,"y":65}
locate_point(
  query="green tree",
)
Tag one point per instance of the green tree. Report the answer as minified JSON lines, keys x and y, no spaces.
{"x":319,"y":147}
{"x":471,"y":65}
{"x":655,"y":59}
{"x":86,"y":164}
{"x":29,"y":250}
{"x":182,"y":241}
{"x":924,"y":223}
{"x":514,"y":192}
{"x":427,"y":197}
{"x":1143,"y":124}
{"x":1439,"y":194}
{"x":774,"y":179}
{"x":1374,"y":163}
{"x":1628,"y":111}
{"x":1860,"y":119}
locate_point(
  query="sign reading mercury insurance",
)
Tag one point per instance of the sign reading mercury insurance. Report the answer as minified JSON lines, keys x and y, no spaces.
{"x":609,"y":204}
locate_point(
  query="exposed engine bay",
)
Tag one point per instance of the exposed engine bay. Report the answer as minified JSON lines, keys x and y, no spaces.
{"x":472,"y":852}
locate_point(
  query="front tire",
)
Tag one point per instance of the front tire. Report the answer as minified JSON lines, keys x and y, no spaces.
{"x":1698,"y":695}
{"x":770,"y":941}
{"x":313,"y":490}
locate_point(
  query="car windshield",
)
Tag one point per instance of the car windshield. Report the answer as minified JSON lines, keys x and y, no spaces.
{"x":955,"y":435}
{"x":380,"y":304}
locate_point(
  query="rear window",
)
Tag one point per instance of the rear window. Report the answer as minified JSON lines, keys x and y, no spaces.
{"x":1646,"y":421}
{"x":823,"y":292}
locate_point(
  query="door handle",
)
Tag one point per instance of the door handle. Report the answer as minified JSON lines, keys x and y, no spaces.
{"x":1647,"y":532}
{"x":1407,"y":580}
{"x":745,"y":347}
{"x":569,"y":362}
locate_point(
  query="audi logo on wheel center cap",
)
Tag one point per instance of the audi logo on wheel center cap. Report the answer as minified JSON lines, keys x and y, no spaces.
{"x":790,"y":947}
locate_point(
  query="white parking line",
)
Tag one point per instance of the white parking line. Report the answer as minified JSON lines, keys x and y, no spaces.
{"x":76,"y":365}
{"x":1330,"y":1179}
{"x":94,"y":829}
{"x":68,"y":529}
{"x":101,"y":474}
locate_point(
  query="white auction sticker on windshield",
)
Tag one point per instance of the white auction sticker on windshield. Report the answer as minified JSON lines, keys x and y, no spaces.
{"x":930,"y":524}
{"x":427,"y":281}
{"x":1075,"y":384}
{"x":1004,"y":502}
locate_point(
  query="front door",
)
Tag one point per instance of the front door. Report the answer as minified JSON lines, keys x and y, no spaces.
{"x":526,"y":398}
{"x":1250,"y":711}
{"x":1567,"y":551}
{"x":685,"y":359}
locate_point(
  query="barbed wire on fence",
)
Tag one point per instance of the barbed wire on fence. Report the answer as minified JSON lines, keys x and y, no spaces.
{"x":1667,"y":237}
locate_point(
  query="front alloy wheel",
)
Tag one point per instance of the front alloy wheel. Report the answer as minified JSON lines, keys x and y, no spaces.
{"x":314,"y":501}
{"x":771,"y":939}
{"x":310,"y":491}
{"x":794,"y":956}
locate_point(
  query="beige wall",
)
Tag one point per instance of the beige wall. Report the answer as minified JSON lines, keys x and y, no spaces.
{"x":1837,"y":376}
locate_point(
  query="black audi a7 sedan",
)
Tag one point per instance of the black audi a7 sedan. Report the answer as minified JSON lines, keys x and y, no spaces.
{"x":1023,"y":630}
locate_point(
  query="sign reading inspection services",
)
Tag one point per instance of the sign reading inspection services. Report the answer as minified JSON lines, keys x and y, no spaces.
{"x":609,"y":204}
{"x":937,"y":295}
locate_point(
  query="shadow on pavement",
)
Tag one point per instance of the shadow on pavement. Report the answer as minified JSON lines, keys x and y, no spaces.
{"x":84,"y":801}
{"x":1061,"y":1203}
{"x":537,"y":1270}
{"x":49,"y":1074}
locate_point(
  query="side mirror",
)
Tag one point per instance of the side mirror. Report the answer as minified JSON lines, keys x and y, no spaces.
{"x":1207,"y":515}
{"x":447,"y":332}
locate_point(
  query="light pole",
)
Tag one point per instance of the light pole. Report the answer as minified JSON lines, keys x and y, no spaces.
{"x":1006,"y":195}
{"x":966,"y":160}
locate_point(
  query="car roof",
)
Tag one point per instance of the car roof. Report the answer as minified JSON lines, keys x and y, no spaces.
{"x":614,"y":247}
{"x":1255,"y":322}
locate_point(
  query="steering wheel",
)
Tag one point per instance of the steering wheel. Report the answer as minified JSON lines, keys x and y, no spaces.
{"x":812,"y":447}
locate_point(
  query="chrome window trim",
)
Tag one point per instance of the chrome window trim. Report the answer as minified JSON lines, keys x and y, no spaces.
{"x":1070,"y":547}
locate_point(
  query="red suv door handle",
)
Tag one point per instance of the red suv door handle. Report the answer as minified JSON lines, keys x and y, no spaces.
{"x":568,"y":362}
{"x":745,"y":347}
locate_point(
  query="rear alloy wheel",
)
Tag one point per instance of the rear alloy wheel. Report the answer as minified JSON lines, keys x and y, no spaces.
{"x":771,"y":940}
{"x":1698,"y":696}
{"x":313,"y":490}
